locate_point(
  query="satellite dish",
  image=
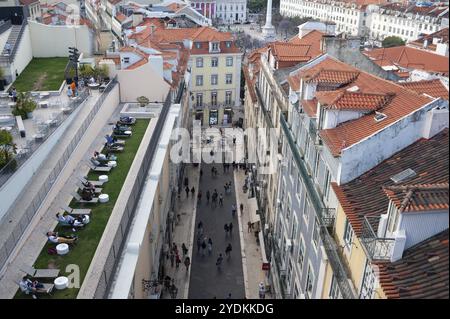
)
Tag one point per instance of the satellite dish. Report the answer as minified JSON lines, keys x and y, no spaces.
{"x":293,"y":98}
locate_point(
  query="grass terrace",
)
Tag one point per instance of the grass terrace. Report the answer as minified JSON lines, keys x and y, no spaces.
{"x":82,"y":253}
{"x":42,"y":74}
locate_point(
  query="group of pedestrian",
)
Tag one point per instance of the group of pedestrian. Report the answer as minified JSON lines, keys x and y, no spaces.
{"x":228,"y":229}
{"x":204,"y":244}
{"x":227,"y":188}
{"x":175,"y":259}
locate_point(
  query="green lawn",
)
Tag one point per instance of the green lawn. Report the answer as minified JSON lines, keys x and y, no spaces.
{"x":82,"y":253}
{"x":42,"y":74}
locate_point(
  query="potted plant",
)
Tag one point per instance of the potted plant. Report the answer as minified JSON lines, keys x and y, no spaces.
{"x":2,"y":80}
{"x":7,"y":150}
{"x":143,"y":101}
{"x":25,"y":106}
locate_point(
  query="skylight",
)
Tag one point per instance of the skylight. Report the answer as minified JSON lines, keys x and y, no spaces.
{"x":403,"y":176}
{"x":379,"y":116}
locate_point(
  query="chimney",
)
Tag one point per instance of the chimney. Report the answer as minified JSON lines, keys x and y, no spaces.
{"x":399,"y":245}
{"x":436,"y":120}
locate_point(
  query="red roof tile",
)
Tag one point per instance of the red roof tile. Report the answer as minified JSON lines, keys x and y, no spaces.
{"x":343,"y":100}
{"x":409,"y":58}
{"x":364,"y":196}
{"x":310,"y":107}
{"x":415,"y":198}
{"x":422,"y":273}
{"x":434,"y":88}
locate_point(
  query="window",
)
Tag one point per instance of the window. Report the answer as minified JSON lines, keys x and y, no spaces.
{"x":368,"y":283}
{"x":229,"y":61}
{"x":198,"y":45}
{"x":316,"y":233}
{"x":199,"y":62}
{"x":228,"y":95}
{"x":199,"y":80}
{"x":306,"y":210}
{"x":228,"y":44}
{"x":199,"y":100}
{"x":229,"y":79}
{"x":214,"y":98}
{"x":214,"y":62}
{"x":393,"y":217}
{"x":334,"y":293}
{"x":126,"y":60}
{"x":309,"y":282}
{"x":214,"y":46}
{"x":214,"y":79}
{"x":301,"y":253}
{"x":348,"y":235}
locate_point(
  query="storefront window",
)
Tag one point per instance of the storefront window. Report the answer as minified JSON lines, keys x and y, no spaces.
{"x":213,"y":117}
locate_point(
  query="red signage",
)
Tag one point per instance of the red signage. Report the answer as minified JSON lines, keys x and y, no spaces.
{"x":265,"y":266}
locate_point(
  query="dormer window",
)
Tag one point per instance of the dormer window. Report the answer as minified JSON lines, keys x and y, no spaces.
{"x":214,"y":46}
{"x":228,"y":44}
{"x":198,"y":45}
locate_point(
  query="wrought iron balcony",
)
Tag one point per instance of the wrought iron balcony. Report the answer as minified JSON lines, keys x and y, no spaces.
{"x":328,"y":216}
{"x":377,"y":248}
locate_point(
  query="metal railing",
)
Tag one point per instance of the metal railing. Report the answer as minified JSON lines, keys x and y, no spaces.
{"x":9,"y":245}
{"x":32,"y":145}
{"x":377,"y":248}
{"x":10,"y":58}
{"x":325,"y":215}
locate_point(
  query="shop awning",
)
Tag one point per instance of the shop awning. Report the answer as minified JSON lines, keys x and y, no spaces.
{"x":252,"y":209}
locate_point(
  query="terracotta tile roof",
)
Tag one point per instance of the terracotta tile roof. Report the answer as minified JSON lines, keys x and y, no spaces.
{"x":175,"y":6}
{"x":114,"y":2}
{"x":409,"y":58}
{"x":434,"y":88}
{"x":441,"y":34}
{"x":330,"y":76}
{"x":422,"y":273}
{"x":344,"y":100}
{"x":27,"y":2}
{"x":310,"y":107}
{"x":416,"y":198}
{"x":284,"y":51}
{"x":294,"y":82}
{"x":364,"y":196}
{"x":135,"y":50}
{"x":351,"y":132}
{"x":313,"y":39}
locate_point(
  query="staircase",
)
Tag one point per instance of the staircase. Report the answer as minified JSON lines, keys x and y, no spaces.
{"x":14,"y":40}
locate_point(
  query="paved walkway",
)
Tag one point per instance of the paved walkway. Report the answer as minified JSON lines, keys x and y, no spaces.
{"x":32,"y":241}
{"x":206,"y":280}
{"x":183,"y":233}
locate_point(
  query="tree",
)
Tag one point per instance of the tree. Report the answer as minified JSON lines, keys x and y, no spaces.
{"x":7,"y":148}
{"x":392,"y":41}
{"x":284,"y":25}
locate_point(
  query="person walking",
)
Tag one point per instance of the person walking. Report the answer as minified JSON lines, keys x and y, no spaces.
{"x":177,"y":261}
{"x":187,"y":191}
{"x":233,"y":210}
{"x":199,"y":197}
{"x":221,"y":200}
{"x":199,"y":243}
{"x":172,"y":259}
{"x":175,"y":248}
{"x":262,"y":290}
{"x":249,"y":226}
{"x":226,"y":228}
{"x":228,"y":251}
{"x":219,"y":262}
{"x":187,"y":263}
{"x":186,"y":182}
{"x":200,"y":229}
{"x":212,"y":171}
{"x":201,"y":173}
{"x":234,"y":140}
{"x":204,"y":246}
{"x":242,"y":208}
{"x":193,"y":191}
{"x":184,"y":250}
{"x":209,"y":246}
{"x":230,"y":228}
{"x":207,"y":196}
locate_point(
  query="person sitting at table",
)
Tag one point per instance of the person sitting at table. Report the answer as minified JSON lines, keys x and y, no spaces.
{"x":55,"y":238}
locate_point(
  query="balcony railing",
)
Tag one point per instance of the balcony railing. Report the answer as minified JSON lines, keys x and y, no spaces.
{"x":377,"y":248}
{"x":325,"y":215}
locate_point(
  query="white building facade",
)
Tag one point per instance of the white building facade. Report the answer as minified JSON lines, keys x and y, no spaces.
{"x":221,"y":11}
{"x":371,"y":19}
